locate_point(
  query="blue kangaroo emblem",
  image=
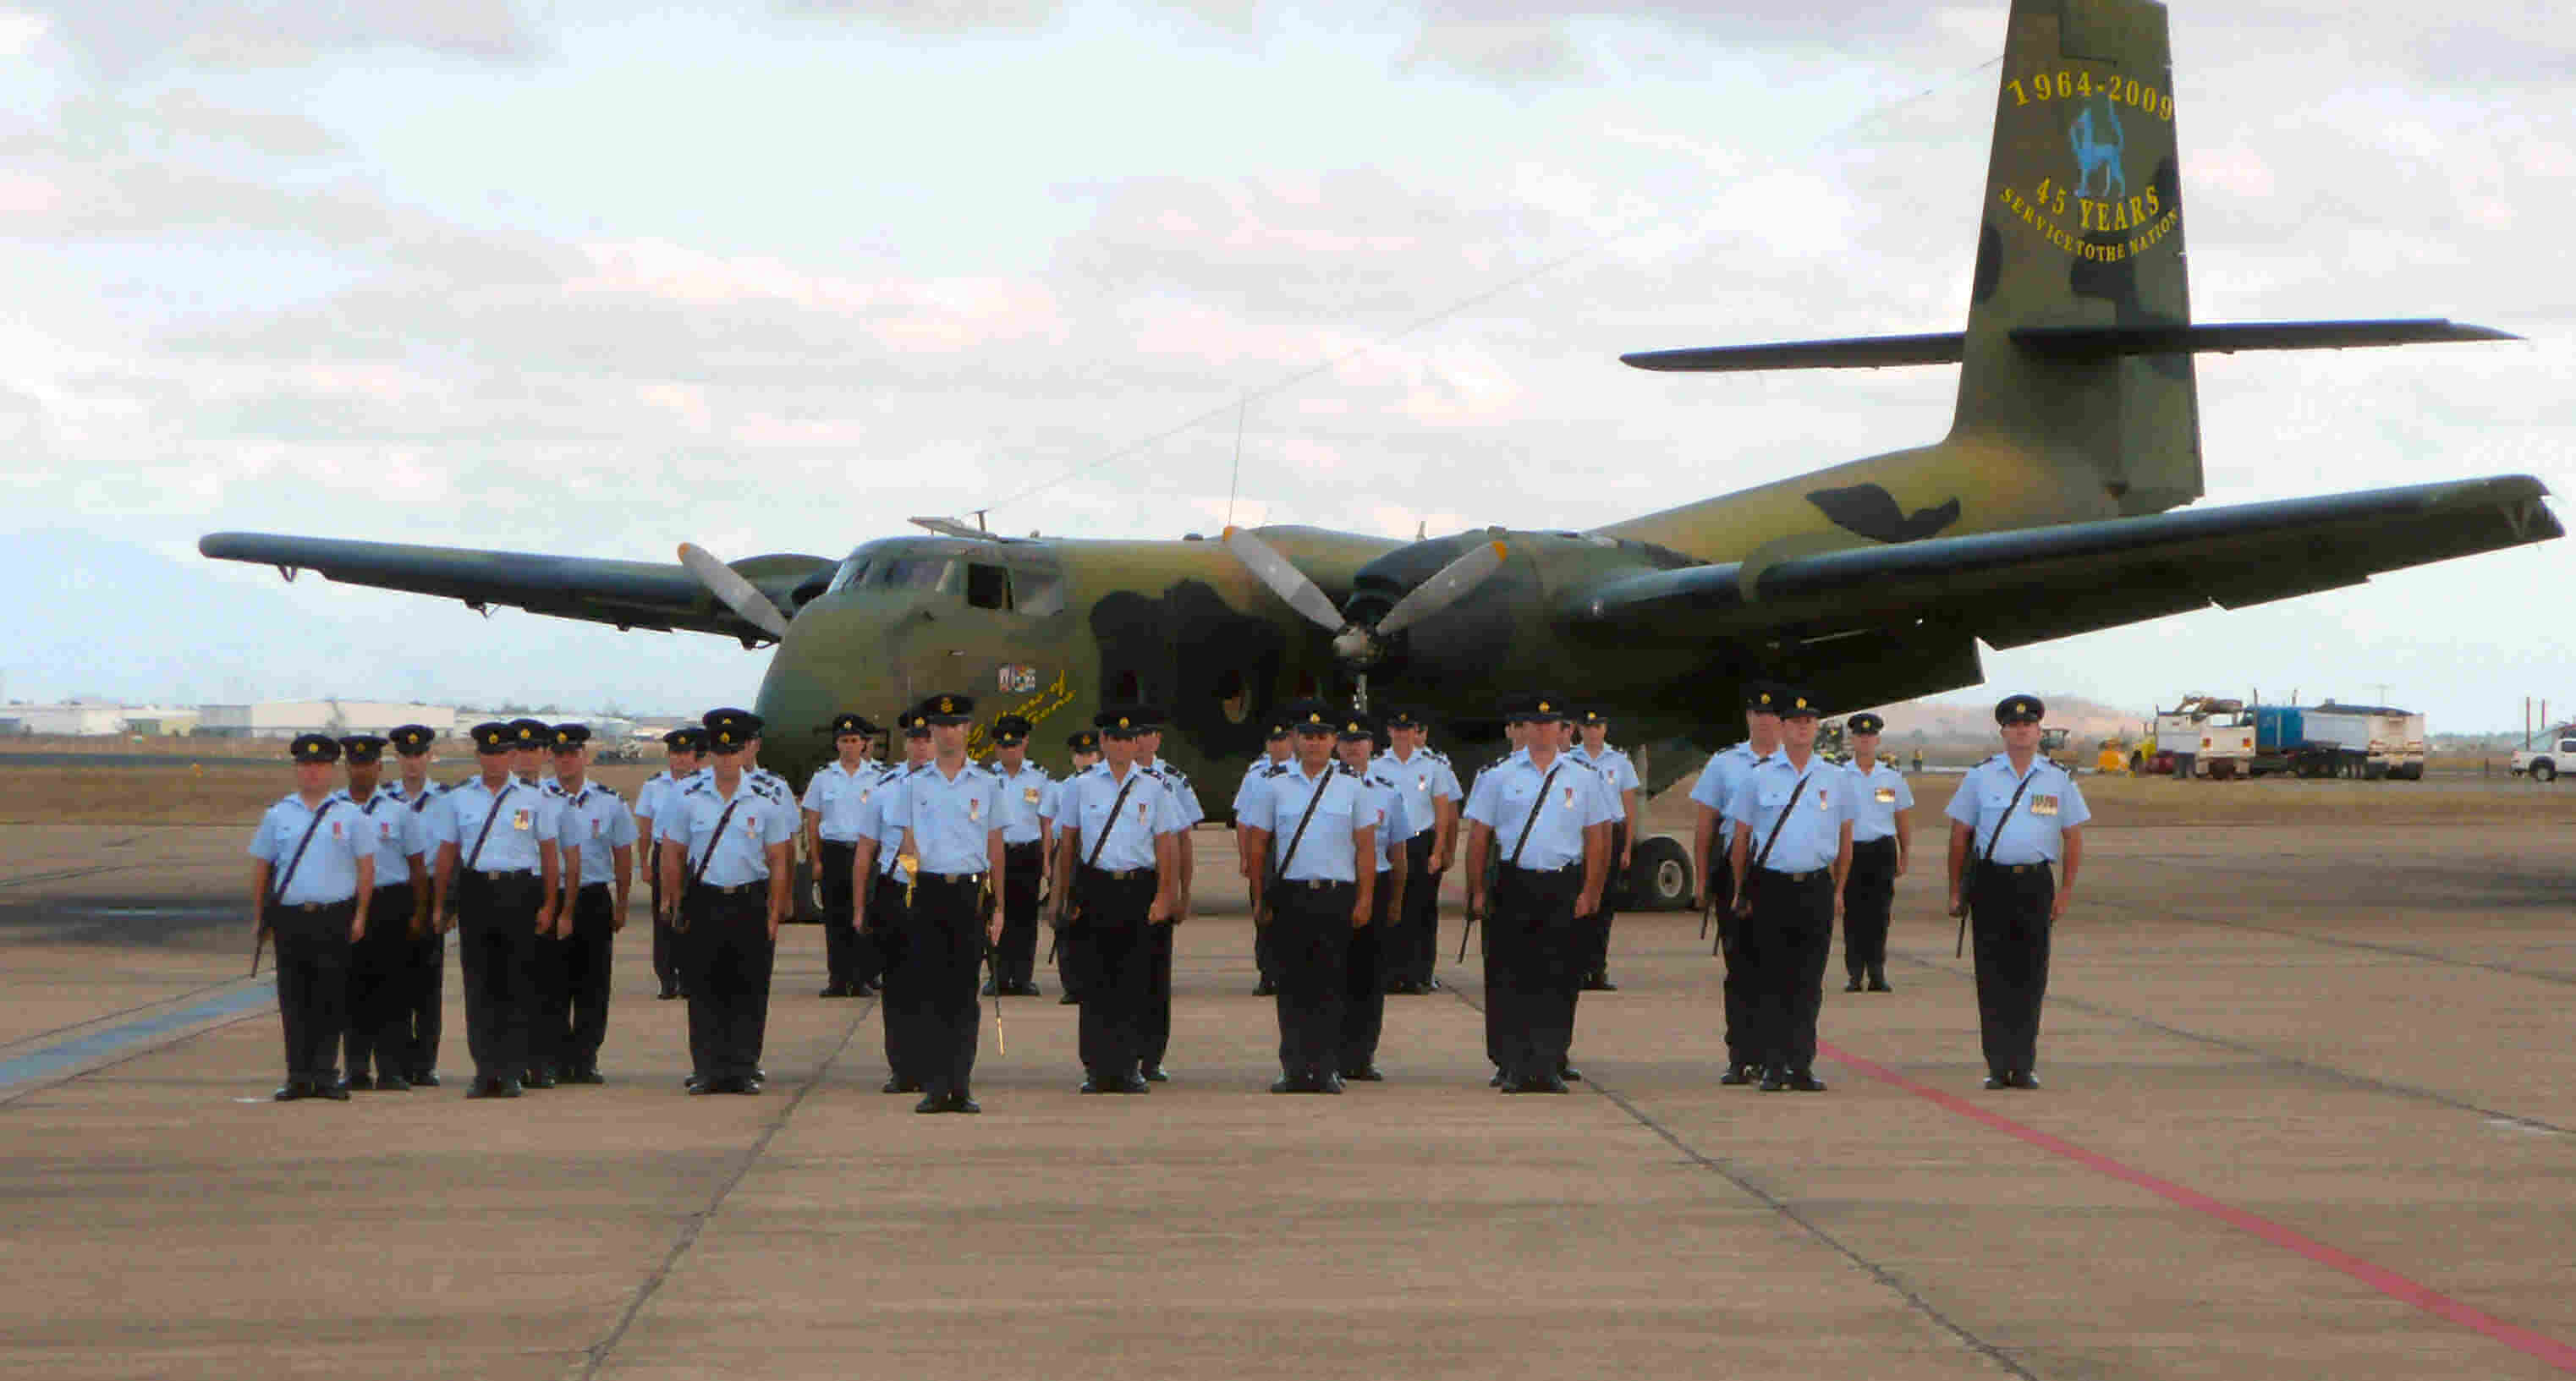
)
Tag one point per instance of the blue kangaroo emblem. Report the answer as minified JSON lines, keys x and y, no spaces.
{"x":2092,"y":152}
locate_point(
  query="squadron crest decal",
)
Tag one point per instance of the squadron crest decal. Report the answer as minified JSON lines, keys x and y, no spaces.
{"x":2091,"y":208}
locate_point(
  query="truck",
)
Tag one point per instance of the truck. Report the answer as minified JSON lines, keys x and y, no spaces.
{"x":2216,"y":735}
{"x":2555,"y":754}
{"x":2371,"y":742}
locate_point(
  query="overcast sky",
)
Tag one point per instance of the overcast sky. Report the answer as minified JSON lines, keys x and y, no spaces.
{"x":540,"y":274}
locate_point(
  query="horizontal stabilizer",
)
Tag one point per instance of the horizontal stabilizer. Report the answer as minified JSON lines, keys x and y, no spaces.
{"x":2027,"y":585}
{"x":627,"y":594}
{"x":2065,"y":343}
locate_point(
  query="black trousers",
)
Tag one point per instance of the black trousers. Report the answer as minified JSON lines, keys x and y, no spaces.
{"x":2008,"y":907}
{"x":425,"y":998}
{"x":725,"y":958}
{"x":1741,"y":1045}
{"x":666,"y":948}
{"x":496,"y":924}
{"x":1784,"y":947}
{"x":1310,"y":925}
{"x":1416,"y":937}
{"x":378,"y":1040}
{"x":1869,"y":896}
{"x":1154,"y":1024}
{"x":313,"y":984}
{"x":887,"y":934}
{"x":1018,"y":952}
{"x":587,"y":956}
{"x":549,"y":999}
{"x":1366,"y":967}
{"x":847,"y":956}
{"x":1109,"y":952}
{"x":1596,"y":927}
{"x":1534,"y":954}
{"x":943,"y":949}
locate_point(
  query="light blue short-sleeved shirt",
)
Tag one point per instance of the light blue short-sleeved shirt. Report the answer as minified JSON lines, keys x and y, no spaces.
{"x":1023,"y":800}
{"x":329,"y":870}
{"x":526,"y":816}
{"x":838,"y":796}
{"x":1261,"y":769}
{"x":1615,"y":766}
{"x":1726,"y":770}
{"x":1179,"y":782}
{"x":1876,"y":797}
{"x":1424,"y":779}
{"x":952,"y":819}
{"x":1809,"y":821}
{"x":1329,"y":850}
{"x":758,"y":818}
{"x":393,"y":829}
{"x":1575,"y":801}
{"x":598,"y":824}
{"x":2036,"y":830}
{"x":1151,"y":809}
{"x":1387,"y":804}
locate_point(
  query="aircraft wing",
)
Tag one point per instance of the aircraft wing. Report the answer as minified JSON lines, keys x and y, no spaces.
{"x":2033,"y":584}
{"x":628,"y":594}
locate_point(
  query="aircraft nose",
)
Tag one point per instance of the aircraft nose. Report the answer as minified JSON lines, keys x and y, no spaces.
{"x":835,"y":657}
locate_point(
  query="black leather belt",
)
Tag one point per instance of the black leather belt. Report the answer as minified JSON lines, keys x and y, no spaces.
{"x":2018,"y":869}
{"x":736,"y":890}
{"x":952,"y":879}
{"x":309,"y":907}
{"x":505,"y":875}
{"x":1543,"y":872}
{"x":1023,"y":844}
{"x":1808,"y":876}
{"x":1310,"y":884}
{"x":1121,"y":874}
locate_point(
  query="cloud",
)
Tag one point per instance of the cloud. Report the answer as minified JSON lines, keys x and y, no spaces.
{"x":932,"y":16}
{"x":121,"y":39}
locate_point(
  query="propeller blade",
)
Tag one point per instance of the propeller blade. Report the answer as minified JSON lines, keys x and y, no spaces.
{"x":1284,"y":580}
{"x":1445,"y":587}
{"x":736,"y":593}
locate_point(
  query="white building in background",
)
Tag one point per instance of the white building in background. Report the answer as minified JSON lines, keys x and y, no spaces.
{"x":91,"y":719}
{"x":287,"y":718}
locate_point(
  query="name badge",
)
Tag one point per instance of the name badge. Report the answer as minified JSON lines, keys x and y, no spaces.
{"x":596,"y":826}
{"x":751,"y":827}
{"x":974,"y":809}
{"x":335,"y":830}
{"x":1029,"y":794}
{"x":2043,"y":805}
{"x":519,"y":820}
{"x":1885,"y":795}
{"x":385,"y":831}
{"x":1569,"y":798}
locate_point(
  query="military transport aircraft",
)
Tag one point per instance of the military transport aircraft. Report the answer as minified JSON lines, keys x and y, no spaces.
{"x":2045,"y":512}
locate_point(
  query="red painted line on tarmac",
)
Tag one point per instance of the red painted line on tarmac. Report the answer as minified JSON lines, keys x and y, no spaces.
{"x":2387,"y":1282}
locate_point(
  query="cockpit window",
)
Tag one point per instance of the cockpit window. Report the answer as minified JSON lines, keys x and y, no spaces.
{"x":853,"y":569}
{"x":912,"y":573}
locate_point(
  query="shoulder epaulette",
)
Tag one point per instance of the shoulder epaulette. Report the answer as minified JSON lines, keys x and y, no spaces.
{"x":693,"y":788}
{"x":1435,"y":755}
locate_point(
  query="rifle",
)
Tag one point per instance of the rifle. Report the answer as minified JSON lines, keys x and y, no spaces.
{"x":1464,"y":932}
{"x":993,"y":965}
{"x":255,"y":946}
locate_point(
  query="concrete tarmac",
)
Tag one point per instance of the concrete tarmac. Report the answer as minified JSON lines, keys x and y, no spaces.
{"x":2310,"y":1111}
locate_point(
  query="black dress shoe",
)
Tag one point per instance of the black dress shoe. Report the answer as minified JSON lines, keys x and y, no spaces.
{"x":1433,"y":985}
{"x":292,"y":1091}
{"x":1134,"y":1083}
{"x":1775,"y":1081}
{"x":698,"y":1086}
{"x":833,"y":990}
{"x":1498,"y":1081}
{"x":987,"y":989}
{"x":1736,"y":1075}
{"x":1282,"y":1084}
{"x":392,"y":1083}
{"x":962,"y":1101}
{"x":1265,"y":988}
{"x":1023,"y":988}
{"x":899,"y":1084}
{"x":424,"y":1078}
{"x":1366,"y":1074}
{"x":1155,"y":1075}
{"x":668,"y":992}
{"x":2023,"y":1078}
{"x":1998,"y":1079}
{"x":484,"y":1088}
{"x":1544,"y":1083}
{"x":1093,"y":1086}
{"x":509,"y":1089}
{"x":1327,"y":1082}
{"x":870,"y":988}
{"x":1599,"y":983}
{"x":1805,"y":1081}
{"x":931,"y":1102}
{"x":1851,"y":985}
{"x":538,"y":1078}
{"x":1068,"y":1000}
{"x":587,"y":1074}
{"x":1878,"y":981}
{"x":1569,"y":1074}
{"x":360,"y":1082}
{"x":747,"y":1085}
{"x":332,"y":1089}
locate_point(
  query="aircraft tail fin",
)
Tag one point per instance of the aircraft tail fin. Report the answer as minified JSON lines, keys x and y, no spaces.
{"x":2083,"y":228}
